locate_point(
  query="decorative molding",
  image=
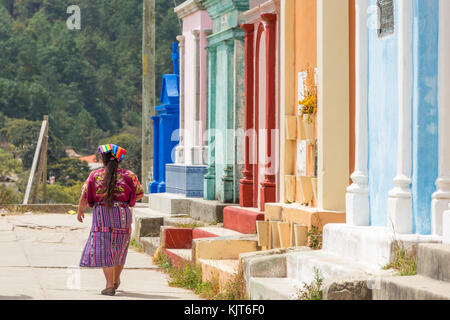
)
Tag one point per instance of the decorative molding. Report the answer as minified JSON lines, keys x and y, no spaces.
{"x":188,"y":7}
{"x":217,"y":8}
{"x":229,"y":34}
{"x":254,"y":14}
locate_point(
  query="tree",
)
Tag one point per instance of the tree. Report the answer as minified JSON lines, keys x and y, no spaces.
{"x":69,"y":171}
{"x":88,"y":81}
{"x":9,"y":165}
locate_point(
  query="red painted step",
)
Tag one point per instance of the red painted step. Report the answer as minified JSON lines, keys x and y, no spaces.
{"x":199,"y":233}
{"x":178,"y":238}
{"x":241,"y":219}
{"x":178,"y":257}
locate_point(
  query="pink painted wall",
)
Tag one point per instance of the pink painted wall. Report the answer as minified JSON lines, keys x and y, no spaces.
{"x":199,"y":20}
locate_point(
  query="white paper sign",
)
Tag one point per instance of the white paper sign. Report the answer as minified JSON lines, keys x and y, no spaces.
{"x":301,"y":157}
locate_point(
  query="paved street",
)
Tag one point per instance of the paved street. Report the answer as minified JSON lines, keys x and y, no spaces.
{"x":39,"y":255}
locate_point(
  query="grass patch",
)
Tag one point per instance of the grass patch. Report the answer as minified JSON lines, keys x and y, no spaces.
{"x":189,"y":276}
{"x":191,"y":225}
{"x":405,"y":261}
{"x":311,"y":291}
{"x":135,"y":246}
{"x":235,"y":289}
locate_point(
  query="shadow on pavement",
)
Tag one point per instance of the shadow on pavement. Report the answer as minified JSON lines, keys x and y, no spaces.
{"x":20,"y":297}
{"x":144,"y":296}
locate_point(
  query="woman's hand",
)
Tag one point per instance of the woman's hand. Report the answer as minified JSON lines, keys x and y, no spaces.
{"x":80,"y":216}
{"x":81,"y":206}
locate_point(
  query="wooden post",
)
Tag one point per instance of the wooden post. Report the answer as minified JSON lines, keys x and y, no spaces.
{"x":148,"y":89}
{"x":35,"y":160}
{"x":42,"y":164}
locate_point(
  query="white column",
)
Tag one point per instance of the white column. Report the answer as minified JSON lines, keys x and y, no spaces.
{"x":400,"y":198}
{"x":196,"y":157}
{"x":357,"y":198}
{"x":179,"y":151}
{"x":446,"y":228}
{"x":441,"y":198}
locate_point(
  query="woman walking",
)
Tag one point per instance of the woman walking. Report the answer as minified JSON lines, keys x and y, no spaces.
{"x":111,"y":191}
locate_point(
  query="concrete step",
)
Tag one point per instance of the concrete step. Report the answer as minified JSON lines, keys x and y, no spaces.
{"x":434,"y":261}
{"x":150,"y":244}
{"x":207,"y":210}
{"x":141,"y":205}
{"x":412,"y":288}
{"x":211,"y":232}
{"x":372,"y":246}
{"x":272,"y":289}
{"x":241,"y":219}
{"x":222,"y":271}
{"x":224,"y":248}
{"x":178,"y":257}
{"x":267,"y":263}
{"x":146,"y":223}
{"x":150,"y":213}
{"x":183,"y":222}
{"x":169,"y":203}
{"x":302,"y":267}
{"x":181,"y":238}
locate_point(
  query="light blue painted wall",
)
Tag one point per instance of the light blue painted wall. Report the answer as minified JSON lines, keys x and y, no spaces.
{"x":382,"y":121}
{"x":425,"y":111}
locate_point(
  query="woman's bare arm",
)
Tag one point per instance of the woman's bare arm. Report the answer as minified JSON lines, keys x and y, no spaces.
{"x":81,"y":206}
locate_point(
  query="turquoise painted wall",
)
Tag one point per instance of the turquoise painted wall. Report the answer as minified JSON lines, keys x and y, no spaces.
{"x":425,"y":111}
{"x":382,"y":121}
{"x":226,"y":107}
{"x":222,"y":106}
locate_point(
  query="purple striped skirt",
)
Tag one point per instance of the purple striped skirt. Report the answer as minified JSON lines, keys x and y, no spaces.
{"x":109,"y":238}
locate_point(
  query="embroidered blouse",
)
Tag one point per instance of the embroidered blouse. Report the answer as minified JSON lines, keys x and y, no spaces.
{"x":128,"y":188}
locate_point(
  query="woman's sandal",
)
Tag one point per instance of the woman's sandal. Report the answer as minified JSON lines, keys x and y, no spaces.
{"x":116,"y":286}
{"x":109,"y":291}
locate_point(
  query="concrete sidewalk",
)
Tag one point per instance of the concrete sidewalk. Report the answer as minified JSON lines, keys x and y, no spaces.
{"x":39,"y":255}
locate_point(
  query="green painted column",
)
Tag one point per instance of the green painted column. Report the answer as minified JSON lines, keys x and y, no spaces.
{"x":226,"y":99}
{"x":210,"y":178}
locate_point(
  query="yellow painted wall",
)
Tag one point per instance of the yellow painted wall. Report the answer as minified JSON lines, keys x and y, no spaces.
{"x":333,"y":103}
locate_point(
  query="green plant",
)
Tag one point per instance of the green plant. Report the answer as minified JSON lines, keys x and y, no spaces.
{"x":315,"y":238}
{"x":405,"y":261}
{"x":9,"y":195}
{"x":134,"y":245}
{"x":189,"y":276}
{"x":309,"y":103}
{"x":235,"y":289}
{"x":312,"y":291}
{"x":57,"y":193}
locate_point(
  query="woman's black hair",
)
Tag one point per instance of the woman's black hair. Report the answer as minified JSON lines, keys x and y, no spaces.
{"x":109,"y":183}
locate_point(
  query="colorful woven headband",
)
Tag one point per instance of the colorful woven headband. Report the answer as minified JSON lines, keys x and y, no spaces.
{"x":118,"y":152}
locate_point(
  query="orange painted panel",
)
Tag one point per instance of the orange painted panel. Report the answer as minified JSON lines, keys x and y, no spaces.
{"x":305,"y":51}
